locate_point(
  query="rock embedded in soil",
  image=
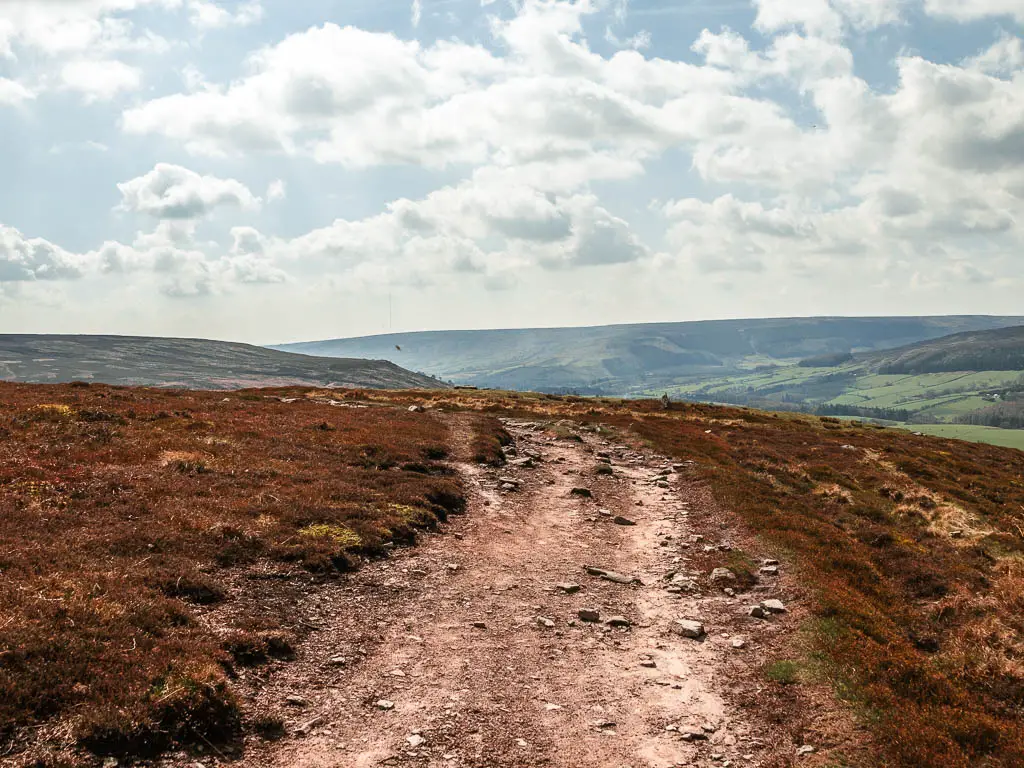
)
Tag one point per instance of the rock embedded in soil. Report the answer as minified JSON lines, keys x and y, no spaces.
{"x":618,"y":621}
{"x":770,"y":570}
{"x":307,"y":727}
{"x":773,"y":606}
{"x":720,"y":575}
{"x":589,"y":614}
{"x":568,"y":587}
{"x":479,"y":625}
{"x":688,"y":628}
{"x":693,"y":734}
{"x":543,"y":621}
{"x":620,"y":520}
{"x":385,"y":706}
{"x":415,"y":740}
{"x":582,"y":492}
{"x":295,"y":701}
{"x":756,"y":611}
{"x":649,"y":663}
{"x":611,"y":576}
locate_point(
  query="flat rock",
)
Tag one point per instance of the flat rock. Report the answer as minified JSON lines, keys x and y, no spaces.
{"x":720,"y":575}
{"x":688,"y":628}
{"x":620,"y":520}
{"x":385,"y":706}
{"x":773,"y":606}
{"x":568,"y":587}
{"x":308,"y":726}
{"x":617,"y":578}
{"x":685,"y":583}
{"x":415,"y":740}
{"x":770,"y":570}
{"x":295,"y":701}
{"x":479,"y":625}
{"x":756,"y":611}
{"x":618,"y":621}
{"x":545,"y":622}
{"x":649,"y":663}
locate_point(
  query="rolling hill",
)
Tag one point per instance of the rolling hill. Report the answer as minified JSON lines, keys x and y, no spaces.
{"x":957,"y":386}
{"x":631,"y":359}
{"x":192,"y":363}
{"x":996,"y":350}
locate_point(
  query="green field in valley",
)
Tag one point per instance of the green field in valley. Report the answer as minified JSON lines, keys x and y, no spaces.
{"x":1009,"y":438}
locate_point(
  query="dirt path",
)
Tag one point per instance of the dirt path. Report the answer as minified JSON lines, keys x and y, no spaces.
{"x":463,"y":652}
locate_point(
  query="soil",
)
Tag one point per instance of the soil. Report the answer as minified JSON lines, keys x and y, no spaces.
{"x":463,"y":652}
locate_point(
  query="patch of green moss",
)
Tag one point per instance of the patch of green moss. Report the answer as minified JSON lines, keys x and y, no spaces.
{"x":344,"y":537}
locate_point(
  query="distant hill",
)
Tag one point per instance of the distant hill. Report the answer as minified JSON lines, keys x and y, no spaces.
{"x":626,"y":359}
{"x":996,"y":350}
{"x":972,"y":379}
{"x":192,"y":363}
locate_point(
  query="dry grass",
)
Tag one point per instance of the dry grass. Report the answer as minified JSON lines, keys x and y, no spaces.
{"x":123,"y":509}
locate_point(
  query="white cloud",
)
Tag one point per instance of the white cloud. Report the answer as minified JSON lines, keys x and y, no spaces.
{"x":13,"y":93}
{"x":182,"y":267}
{"x":206,"y":15}
{"x":785,"y":161}
{"x":828,"y":18}
{"x":818,"y":17}
{"x":343,"y":95}
{"x":23,"y":259}
{"x":100,"y":80}
{"x":58,"y":27}
{"x":968,"y":10}
{"x":172,"y":192}
{"x":276,"y":190}
{"x":417,"y":12}
{"x":1004,"y":57}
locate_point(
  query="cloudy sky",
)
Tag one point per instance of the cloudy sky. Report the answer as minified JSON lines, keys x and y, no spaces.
{"x":273,"y":170}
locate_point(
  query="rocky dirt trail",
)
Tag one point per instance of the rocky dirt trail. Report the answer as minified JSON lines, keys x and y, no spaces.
{"x":490,"y":644}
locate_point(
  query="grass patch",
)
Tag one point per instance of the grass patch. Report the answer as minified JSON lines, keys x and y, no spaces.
{"x":784,"y":672}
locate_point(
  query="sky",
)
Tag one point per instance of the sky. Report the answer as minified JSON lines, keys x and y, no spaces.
{"x":272,"y":170}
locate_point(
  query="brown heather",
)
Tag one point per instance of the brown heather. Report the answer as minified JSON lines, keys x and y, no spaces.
{"x":119,"y":512}
{"x":122,"y":509}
